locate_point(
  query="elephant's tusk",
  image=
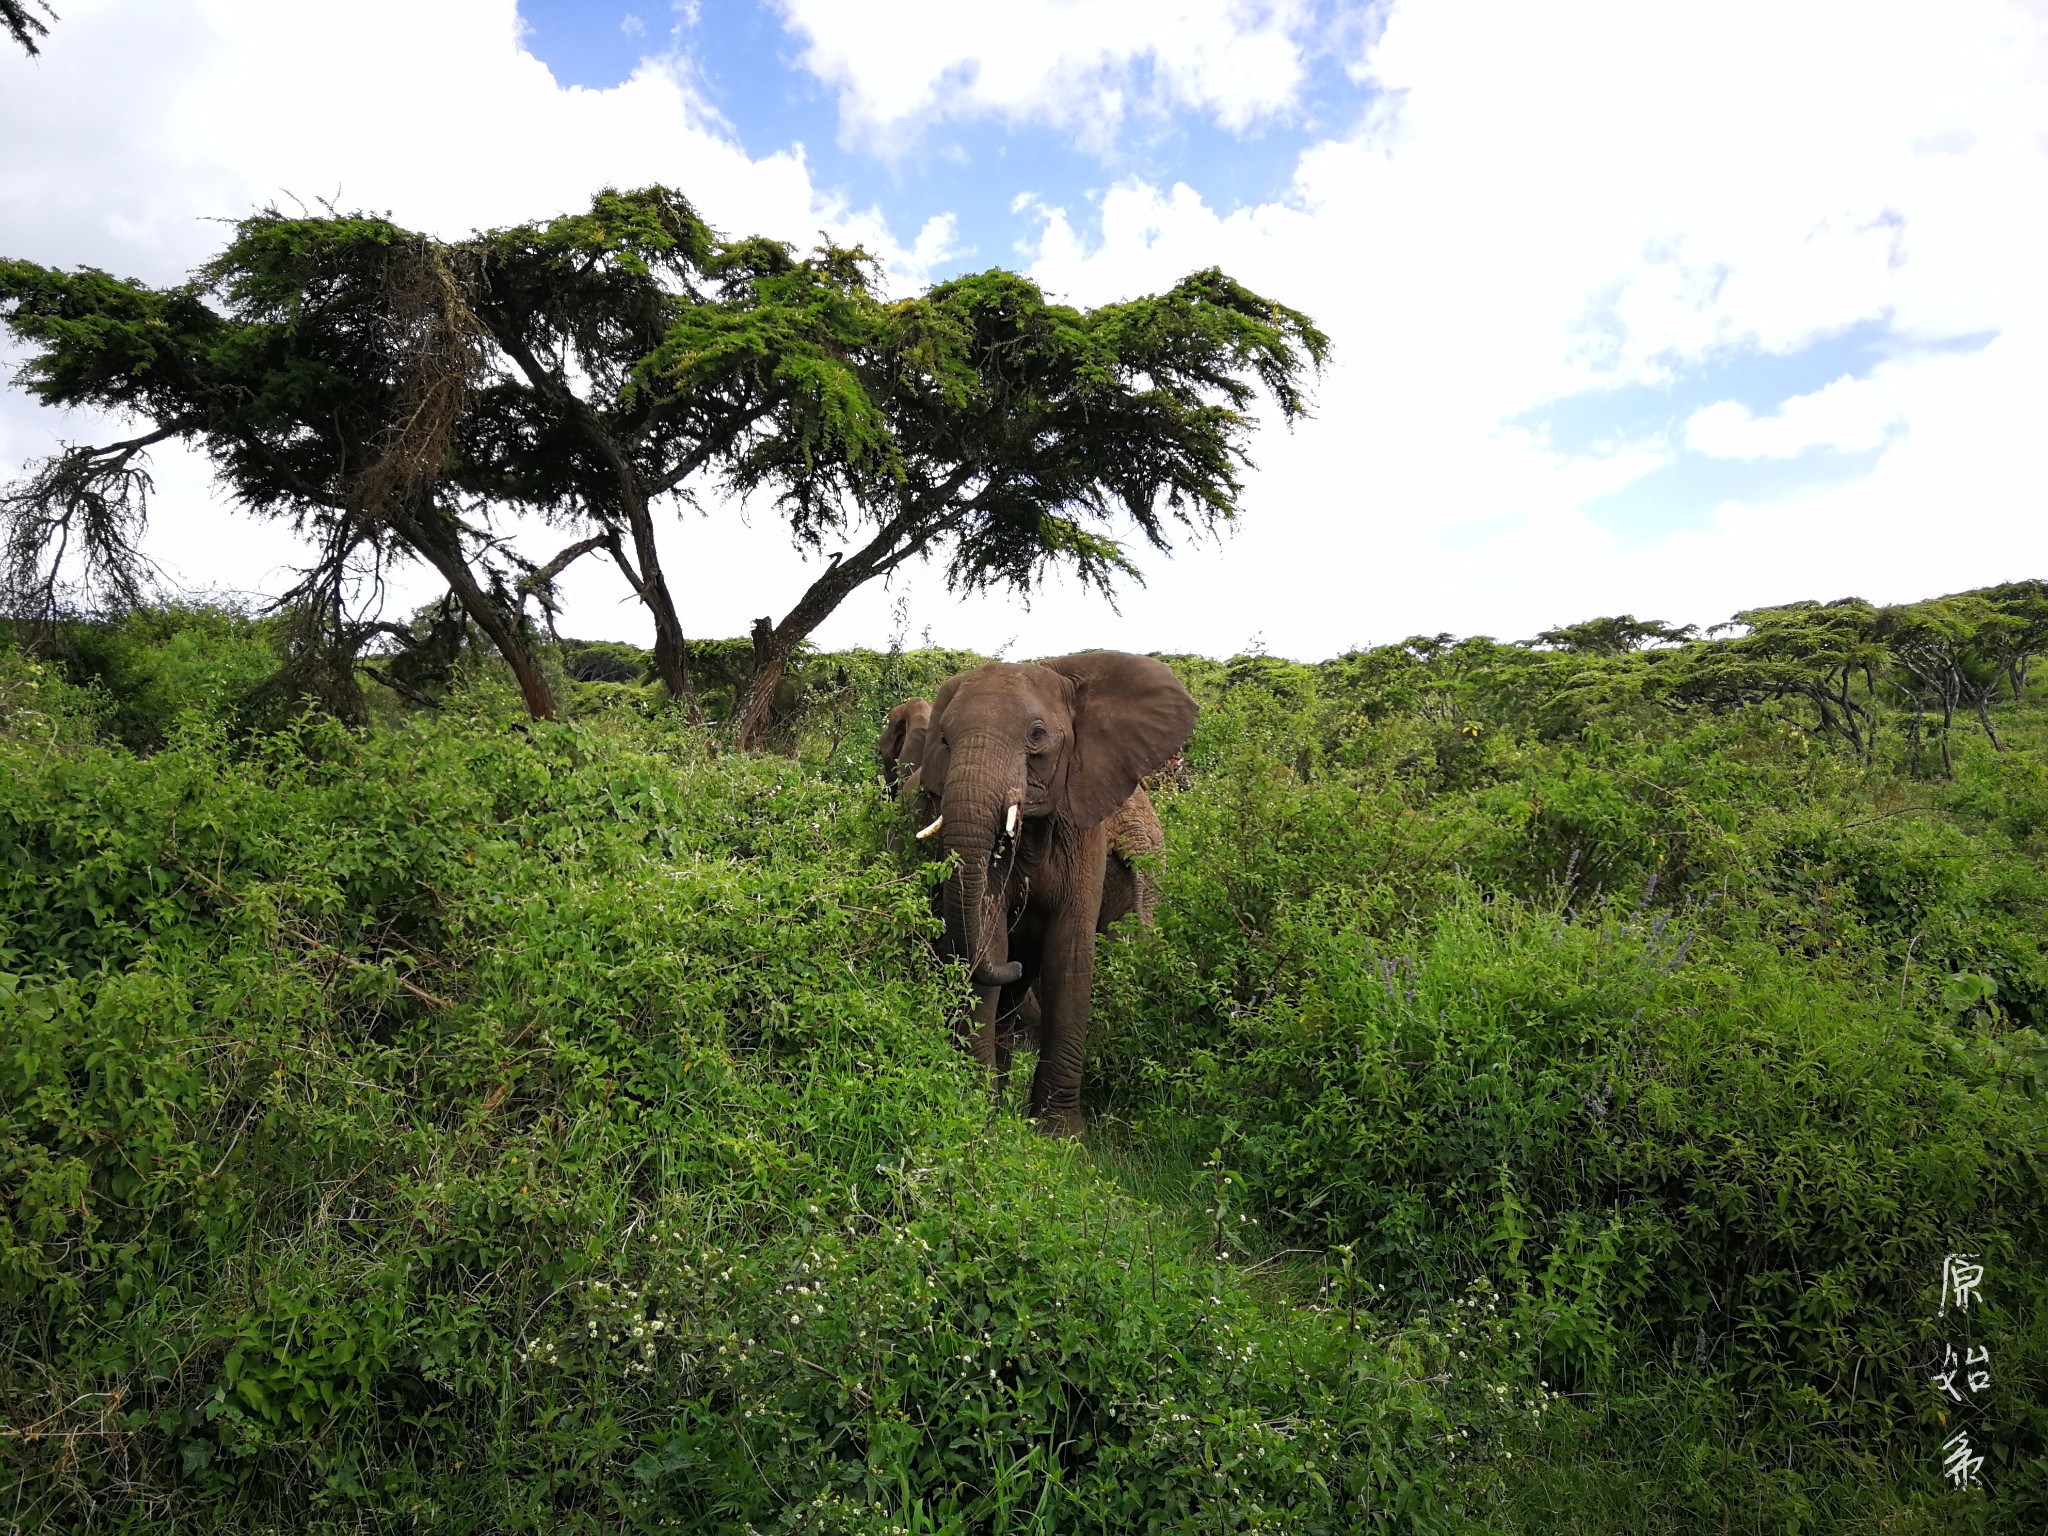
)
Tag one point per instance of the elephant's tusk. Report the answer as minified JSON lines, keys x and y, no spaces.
{"x":1010,"y":821}
{"x":928,"y":831}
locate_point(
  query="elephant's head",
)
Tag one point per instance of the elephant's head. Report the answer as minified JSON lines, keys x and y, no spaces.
{"x":1060,"y":744}
{"x":901,"y":747}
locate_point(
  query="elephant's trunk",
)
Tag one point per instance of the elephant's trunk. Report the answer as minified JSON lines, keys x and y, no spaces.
{"x":977,"y":798}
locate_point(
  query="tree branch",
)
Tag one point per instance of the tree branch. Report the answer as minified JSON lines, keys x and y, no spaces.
{"x":543,"y":576}
{"x":95,"y":495}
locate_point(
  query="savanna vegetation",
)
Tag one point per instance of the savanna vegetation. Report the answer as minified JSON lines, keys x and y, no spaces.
{"x":1544,"y":1103}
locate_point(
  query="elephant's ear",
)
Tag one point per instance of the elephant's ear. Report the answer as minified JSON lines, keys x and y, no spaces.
{"x":1130,"y":715}
{"x":889,"y":747}
{"x":902,"y":735}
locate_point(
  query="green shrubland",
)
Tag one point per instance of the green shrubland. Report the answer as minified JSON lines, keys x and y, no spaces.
{"x":1700,"y":1037}
{"x":487,"y":1125}
{"x":1543,"y":1104}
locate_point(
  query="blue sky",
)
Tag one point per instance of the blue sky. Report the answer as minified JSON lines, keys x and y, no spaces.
{"x":747,"y":63}
{"x":1669,"y":310}
{"x":1685,"y":491}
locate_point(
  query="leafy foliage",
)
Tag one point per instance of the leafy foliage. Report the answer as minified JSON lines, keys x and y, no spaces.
{"x":1697,"y":1041}
{"x":391,"y":393}
{"x":556,"y":1128}
{"x":140,"y":676}
{"x":1542,"y":1104}
{"x":22,"y":24}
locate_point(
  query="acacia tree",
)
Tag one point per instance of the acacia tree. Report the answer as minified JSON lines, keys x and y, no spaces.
{"x":2022,"y":633}
{"x":390,"y":392}
{"x":1957,"y":651}
{"x":1828,"y":655}
{"x":327,"y":381}
{"x":1620,"y":635}
{"x":1005,"y":434}
{"x":20,"y":21}
{"x":586,"y":417}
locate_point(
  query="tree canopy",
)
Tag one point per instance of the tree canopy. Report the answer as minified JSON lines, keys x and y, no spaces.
{"x":1614,"y":636}
{"x":395,"y":394}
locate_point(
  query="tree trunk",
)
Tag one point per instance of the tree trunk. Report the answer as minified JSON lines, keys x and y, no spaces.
{"x":774,"y":644}
{"x":771,"y":661}
{"x":904,"y":535}
{"x":1984,"y":717}
{"x":438,"y":545}
{"x":671,"y":655}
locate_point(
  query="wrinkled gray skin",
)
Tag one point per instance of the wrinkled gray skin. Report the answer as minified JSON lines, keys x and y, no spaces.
{"x":1127,"y":890}
{"x":901,"y":748}
{"x":1065,"y":741}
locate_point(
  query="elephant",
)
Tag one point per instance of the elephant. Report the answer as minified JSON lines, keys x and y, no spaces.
{"x":898,"y":750}
{"x":1033,"y":774}
{"x":901,"y":747}
{"x":1127,"y":890}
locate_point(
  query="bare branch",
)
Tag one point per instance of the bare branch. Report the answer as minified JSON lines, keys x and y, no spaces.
{"x":540,"y":581}
{"x":88,"y":504}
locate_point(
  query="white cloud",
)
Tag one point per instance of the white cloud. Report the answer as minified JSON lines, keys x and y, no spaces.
{"x":937,"y":242}
{"x":1849,"y":416}
{"x":1554,"y":199}
{"x":1085,"y":67}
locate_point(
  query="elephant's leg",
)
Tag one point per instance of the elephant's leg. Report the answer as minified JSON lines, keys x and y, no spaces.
{"x":1020,"y":1025}
{"x":1064,"y":982}
{"x":1006,"y":1036}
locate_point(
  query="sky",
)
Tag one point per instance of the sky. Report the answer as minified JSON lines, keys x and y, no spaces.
{"x":1670,"y":309}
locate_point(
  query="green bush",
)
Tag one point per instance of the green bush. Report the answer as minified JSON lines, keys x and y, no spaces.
{"x":554,"y":1128}
{"x":1701,"y":1062}
{"x":1542,"y":1105}
{"x":154,"y":666}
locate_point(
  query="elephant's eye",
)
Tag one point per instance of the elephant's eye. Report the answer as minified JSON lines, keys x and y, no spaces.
{"x":1038,"y":736}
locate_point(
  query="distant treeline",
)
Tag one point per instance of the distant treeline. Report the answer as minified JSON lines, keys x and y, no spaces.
{"x":1847,"y":671}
